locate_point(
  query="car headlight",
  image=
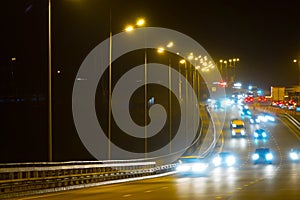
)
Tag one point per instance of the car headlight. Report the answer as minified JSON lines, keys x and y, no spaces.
{"x":271,"y":118}
{"x":251,"y":121}
{"x":269,"y":156}
{"x":294,"y":156}
{"x":217,"y":161}
{"x":200,"y":167}
{"x":255,"y":156}
{"x":264,"y":134}
{"x":262,"y":118}
{"x":255,"y":134}
{"x":233,"y":132}
{"x":230,"y":160}
{"x":182,"y":168}
{"x":243,"y":132}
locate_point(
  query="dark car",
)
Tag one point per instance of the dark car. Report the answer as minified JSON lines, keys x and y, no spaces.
{"x":254,"y":119}
{"x":226,"y":159}
{"x":260,"y":134}
{"x":246,"y":112}
{"x":295,"y":155}
{"x":262,"y":155}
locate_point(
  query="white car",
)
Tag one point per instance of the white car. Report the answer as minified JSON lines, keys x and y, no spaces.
{"x":295,"y":154}
{"x":192,"y":165}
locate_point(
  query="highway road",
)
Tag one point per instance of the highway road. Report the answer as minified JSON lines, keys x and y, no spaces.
{"x":281,"y":180}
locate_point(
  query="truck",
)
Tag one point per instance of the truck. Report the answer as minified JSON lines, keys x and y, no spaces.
{"x":277,"y":93}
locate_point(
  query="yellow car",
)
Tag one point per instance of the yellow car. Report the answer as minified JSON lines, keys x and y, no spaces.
{"x":237,"y":128}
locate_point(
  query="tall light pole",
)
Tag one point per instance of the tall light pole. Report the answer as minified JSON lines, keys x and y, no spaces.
{"x":221,"y":67}
{"x":298,"y":62}
{"x":49,"y":85}
{"x":161,"y":50}
{"x":141,"y":22}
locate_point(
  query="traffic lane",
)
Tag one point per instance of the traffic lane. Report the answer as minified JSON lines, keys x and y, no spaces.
{"x":241,"y":182}
{"x":283,"y":184}
{"x":277,"y":182}
{"x":145,"y":189}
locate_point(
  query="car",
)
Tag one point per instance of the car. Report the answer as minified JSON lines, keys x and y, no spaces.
{"x":192,"y":165}
{"x":266,"y":117}
{"x":297,"y":108}
{"x":237,"y":128}
{"x":254,"y":119}
{"x":260,"y":134}
{"x":246,"y":112}
{"x":295,"y":154}
{"x":262,"y":155}
{"x":226,"y":159}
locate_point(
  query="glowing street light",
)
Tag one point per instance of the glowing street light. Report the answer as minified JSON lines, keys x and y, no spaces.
{"x":170,"y":44}
{"x":129,"y":28}
{"x":298,"y":61}
{"x":140,"y":22}
{"x":160,"y":50}
{"x":182,"y":61}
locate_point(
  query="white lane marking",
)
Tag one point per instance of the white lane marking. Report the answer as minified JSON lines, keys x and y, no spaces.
{"x":126,"y":195}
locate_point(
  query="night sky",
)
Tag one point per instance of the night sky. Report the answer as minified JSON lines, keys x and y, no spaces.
{"x":264,"y":35}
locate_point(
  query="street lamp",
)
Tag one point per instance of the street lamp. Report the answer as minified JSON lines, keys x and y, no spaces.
{"x":161,"y":50}
{"x":128,"y":28}
{"x":49,"y":85}
{"x":298,"y":61}
{"x":139,"y":22}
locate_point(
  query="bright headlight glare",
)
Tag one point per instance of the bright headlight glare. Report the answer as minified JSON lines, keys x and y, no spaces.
{"x":294,"y":156}
{"x":199,"y":167}
{"x":233,"y":132}
{"x":242,"y":131}
{"x":182,"y":168}
{"x":217,"y":161}
{"x":230,"y":160}
{"x":255,"y":156}
{"x":269,"y":156}
{"x":264,"y":134}
{"x":255,"y":134}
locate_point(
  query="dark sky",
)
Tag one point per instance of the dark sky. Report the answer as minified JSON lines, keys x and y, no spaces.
{"x":264,"y":35}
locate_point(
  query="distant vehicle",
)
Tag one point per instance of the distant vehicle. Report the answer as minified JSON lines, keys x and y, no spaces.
{"x":262,"y":155}
{"x":295,"y":154}
{"x":249,"y":99}
{"x":297,"y":108}
{"x":266,"y":117}
{"x":254,"y":119}
{"x":246,"y":112}
{"x":278,"y":93}
{"x":226,"y":159}
{"x":260,"y":134}
{"x":237,"y":128}
{"x":192,"y":165}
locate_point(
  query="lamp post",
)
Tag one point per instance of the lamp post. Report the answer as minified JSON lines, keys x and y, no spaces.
{"x":183,"y":62}
{"x":141,"y":22}
{"x":161,"y":50}
{"x":49,"y":85}
{"x":221,"y":67}
{"x":298,"y":62}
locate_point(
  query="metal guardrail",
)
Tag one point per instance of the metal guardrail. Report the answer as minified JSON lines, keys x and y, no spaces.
{"x":293,"y":120}
{"x":23,"y":179}
{"x":17,"y":180}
